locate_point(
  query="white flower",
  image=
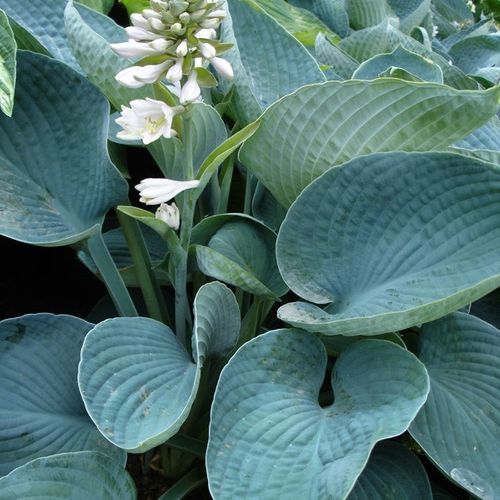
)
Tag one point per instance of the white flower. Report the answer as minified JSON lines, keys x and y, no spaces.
{"x":133,"y":48}
{"x":169,"y":214}
{"x":207,"y":51}
{"x":156,"y":191}
{"x":217,"y":13}
{"x":137,"y":76}
{"x":157,"y":24}
{"x":148,"y":120}
{"x":222,"y":67}
{"x":190,"y":90}
{"x":139,"y":20}
{"x":174,"y":74}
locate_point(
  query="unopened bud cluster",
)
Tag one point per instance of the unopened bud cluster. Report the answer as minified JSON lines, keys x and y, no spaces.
{"x":175,"y":38}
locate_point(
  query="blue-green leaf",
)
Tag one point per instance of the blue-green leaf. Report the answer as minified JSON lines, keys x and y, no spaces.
{"x":390,"y":241}
{"x":307,"y":132}
{"x":80,"y":475}
{"x":44,"y":21}
{"x":138,"y":381}
{"x":458,"y":426}
{"x":393,"y":472}
{"x":239,"y":250}
{"x":422,"y":68}
{"x":7,"y":65}
{"x":42,"y":412}
{"x":331,"y":12}
{"x":269,"y":437}
{"x":56,"y":179}
{"x":268,"y":62}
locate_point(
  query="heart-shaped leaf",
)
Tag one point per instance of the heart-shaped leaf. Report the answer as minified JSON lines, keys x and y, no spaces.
{"x":392,"y":472}
{"x":270,"y":438}
{"x":458,"y":426}
{"x":261,"y":76}
{"x":138,"y":381}
{"x":239,"y":250}
{"x":390,"y":241}
{"x":79,"y":475}
{"x":307,"y":132}
{"x":44,"y":21}
{"x":57,"y":181}
{"x":42,"y":412}
{"x":7,"y":65}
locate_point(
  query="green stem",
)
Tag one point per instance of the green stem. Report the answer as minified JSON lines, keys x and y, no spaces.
{"x":187,"y":214}
{"x":188,"y":444}
{"x":111,"y":276}
{"x":189,"y":482}
{"x":143,"y":269}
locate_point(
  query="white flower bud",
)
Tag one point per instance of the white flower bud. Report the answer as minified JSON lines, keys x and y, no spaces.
{"x":190,"y":91}
{"x":221,"y":14}
{"x":182,"y":48}
{"x":132,"y":48}
{"x":208,"y":34}
{"x":139,"y":20}
{"x":222,"y":67}
{"x":207,"y":51}
{"x":156,"y":24}
{"x":169,"y":214}
{"x":140,"y":34}
{"x":149,"y":13}
{"x":174,"y":74}
{"x":210,"y":23}
{"x":184,"y":18}
{"x":161,"y":44}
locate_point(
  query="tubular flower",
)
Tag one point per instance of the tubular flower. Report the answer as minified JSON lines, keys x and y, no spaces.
{"x":157,"y":191}
{"x":147,"y":120}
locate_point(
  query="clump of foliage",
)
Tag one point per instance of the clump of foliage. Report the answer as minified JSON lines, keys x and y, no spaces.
{"x":315,"y":316}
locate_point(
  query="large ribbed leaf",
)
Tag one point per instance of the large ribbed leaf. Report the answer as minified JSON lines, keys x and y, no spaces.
{"x":318,"y":126}
{"x":269,"y":437}
{"x":89,"y":34}
{"x":80,"y":475}
{"x":410,"y":12}
{"x":268,"y":62}
{"x":331,"y":12}
{"x":385,"y":37}
{"x":416,"y":65}
{"x":365,"y":13}
{"x":7,"y":65}
{"x":45,"y":22}
{"x":56,"y":179}
{"x":390,"y":241}
{"x":138,"y":381}
{"x":393,"y":472}
{"x":41,"y":411}
{"x":239,"y":250}
{"x":459,"y":425}
{"x":328,"y":53}
{"x":301,"y":23}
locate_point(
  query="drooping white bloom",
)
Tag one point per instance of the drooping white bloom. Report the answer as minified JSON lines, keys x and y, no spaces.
{"x":174,"y":74}
{"x":137,"y":76}
{"x":190,"y":91}
{"x":222,"y":67}
{"x":169,"y":214}
{"x":133,"y":48}
{"x":139,"y":20}
{"x":147,"y":120}
{"x":156,"y":191}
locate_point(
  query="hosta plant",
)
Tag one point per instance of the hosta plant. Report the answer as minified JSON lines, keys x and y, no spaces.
{"x":295,"y":210}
